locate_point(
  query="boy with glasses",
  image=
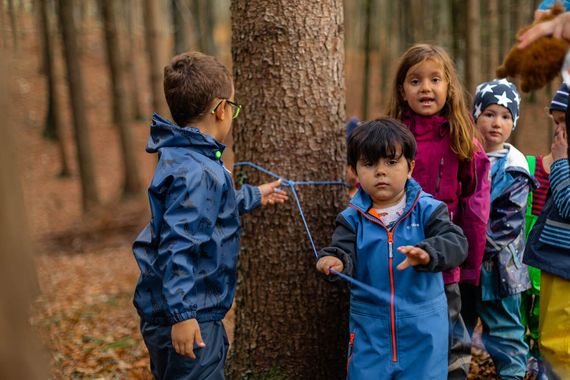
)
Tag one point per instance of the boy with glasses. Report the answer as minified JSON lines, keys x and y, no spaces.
{"x":187,"y":254}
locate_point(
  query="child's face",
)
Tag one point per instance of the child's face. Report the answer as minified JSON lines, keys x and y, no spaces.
{"x":385,"y":180}
{"x":559,"y":118}
{"x":495,"y":124}
{"x":425,"y":88}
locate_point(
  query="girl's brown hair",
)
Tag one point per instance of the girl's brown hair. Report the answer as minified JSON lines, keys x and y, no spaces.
{"x":462,"y":130}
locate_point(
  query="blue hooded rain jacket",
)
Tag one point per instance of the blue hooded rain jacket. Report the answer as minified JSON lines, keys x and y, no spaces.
{"x":187,"y":254}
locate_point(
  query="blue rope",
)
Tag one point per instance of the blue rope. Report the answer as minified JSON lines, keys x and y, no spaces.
{"x":292,"y":185}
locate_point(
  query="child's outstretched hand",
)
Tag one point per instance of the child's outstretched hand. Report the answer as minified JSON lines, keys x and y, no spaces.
{"x":326,"y":263}
{"x":270,"y":194}
{"x":416,"y":256}
{"x":184,"y":334}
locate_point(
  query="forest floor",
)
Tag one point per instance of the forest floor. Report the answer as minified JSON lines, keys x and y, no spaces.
{"x":86,"y":271}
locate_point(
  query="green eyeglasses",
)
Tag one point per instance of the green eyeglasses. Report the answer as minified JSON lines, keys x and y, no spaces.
{"x":236,"y":108}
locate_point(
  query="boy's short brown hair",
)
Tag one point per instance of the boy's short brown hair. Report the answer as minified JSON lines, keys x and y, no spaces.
{"x":192,"y":81}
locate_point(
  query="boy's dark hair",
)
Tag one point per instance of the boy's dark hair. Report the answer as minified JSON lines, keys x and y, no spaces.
{"x":380,"y":138}
{"x":192,"y":81}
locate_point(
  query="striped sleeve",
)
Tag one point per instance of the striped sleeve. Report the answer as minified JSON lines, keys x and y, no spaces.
{"x":560,"y":186}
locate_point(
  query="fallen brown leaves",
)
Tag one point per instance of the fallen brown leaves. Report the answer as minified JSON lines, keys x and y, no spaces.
{"x":86,"y":318}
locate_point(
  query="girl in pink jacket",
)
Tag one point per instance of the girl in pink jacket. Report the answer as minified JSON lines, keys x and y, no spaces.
{"x":451,"y":165}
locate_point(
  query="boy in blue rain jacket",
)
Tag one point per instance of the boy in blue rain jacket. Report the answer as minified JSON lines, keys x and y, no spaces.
{"x":187,"y":254}
{"x":400,"y":329}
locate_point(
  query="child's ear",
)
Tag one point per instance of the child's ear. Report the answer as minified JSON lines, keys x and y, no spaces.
{"x":220,"y":113}
{"x":411,"y":166}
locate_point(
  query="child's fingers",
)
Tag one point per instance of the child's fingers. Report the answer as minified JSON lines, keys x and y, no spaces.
{"x":321,"y":267}
{"x":198,"y":339}
{"x":189,"y":350}
{"x":275,"y":184}
{"x":404,"y":264}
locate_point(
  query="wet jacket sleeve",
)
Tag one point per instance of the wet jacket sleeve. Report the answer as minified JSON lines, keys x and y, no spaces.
{"x":560,"y":186}
{"x":188,"y":219}
{"x":474,"y":208}
{"x":343,"y":245}
{"x":507,"y":220}
{"x":248,"y":198}
{"x":445,"y":242}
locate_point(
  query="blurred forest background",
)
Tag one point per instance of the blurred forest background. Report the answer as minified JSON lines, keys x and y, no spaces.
{"x":85,"y":76}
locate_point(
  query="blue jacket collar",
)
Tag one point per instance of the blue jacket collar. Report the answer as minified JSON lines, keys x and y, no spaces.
{"x":363,"y":202}
{"x":164,"y":133}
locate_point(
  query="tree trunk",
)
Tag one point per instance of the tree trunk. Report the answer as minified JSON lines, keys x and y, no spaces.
{"x":493,"y":33}
{"x":132,"y":184}
{"x":20,"y":347}
{"x":505,"y":27}
{"x":181,"y":26}
{"x":208,"y":27}
{"x":367,"y":49}
{"x":473,"y":46}
{"x":290,"y":322}
{"x":3,"y":33}
{"x":385,"y":55}
{"x":458,"y":17}
{"x":154,"y":54}
{"x":417,"y":18}
{"x":130,"y":9}
{"x":76,"y":96}
{"x":406,"y":32}
{"x":53,"y":115}
{"x":13,"y":25}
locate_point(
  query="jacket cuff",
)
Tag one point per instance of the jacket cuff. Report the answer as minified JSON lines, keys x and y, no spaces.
{"x":180,"y":317}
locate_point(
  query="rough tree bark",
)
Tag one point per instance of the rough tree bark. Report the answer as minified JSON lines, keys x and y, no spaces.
{"x":53,"y":115}
{"x":132,"y":183}
{"x":288,"y":58}
{"x":79,"y":114}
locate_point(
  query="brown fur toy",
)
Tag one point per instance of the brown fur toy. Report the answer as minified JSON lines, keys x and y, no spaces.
{"x":540,"y":62}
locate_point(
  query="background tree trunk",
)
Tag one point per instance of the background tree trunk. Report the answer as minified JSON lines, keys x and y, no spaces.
{"x":77,"y":102}
{"x":14,"y":25}
{"x":473,"y":46}
{"x":20,"y":349}
{"x":53,"y":115}
{"x":152,"y":16}
{"x":367,"y":50}
{"x":130,"y":12}
{"x":131,"y":184}
{"x":290,"y":322}
{"x":492,"y":33}
{"x":181,"y":26}
{"x":458,"y":17}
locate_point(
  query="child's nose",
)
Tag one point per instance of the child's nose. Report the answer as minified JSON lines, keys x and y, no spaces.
{"x":425,"y":86}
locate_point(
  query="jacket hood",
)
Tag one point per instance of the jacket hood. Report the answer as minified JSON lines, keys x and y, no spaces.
{"x":362,"y":200}
{"x":516,"y":162}
{"x":166,"y":134}
{"x":426,"y":125}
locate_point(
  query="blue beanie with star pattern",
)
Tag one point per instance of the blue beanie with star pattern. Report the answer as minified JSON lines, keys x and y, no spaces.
{"x":497,"y":91}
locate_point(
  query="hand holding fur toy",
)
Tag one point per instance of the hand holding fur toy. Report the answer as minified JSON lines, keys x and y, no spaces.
{"x":540,"y":62}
